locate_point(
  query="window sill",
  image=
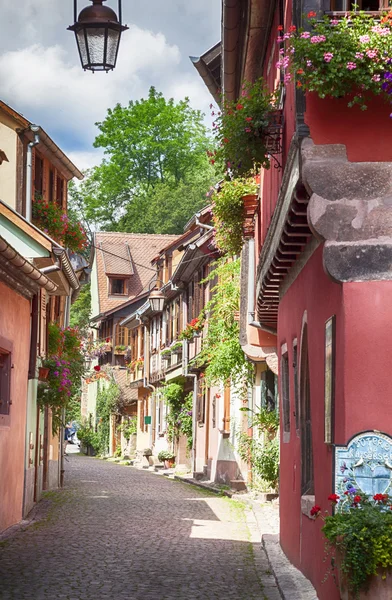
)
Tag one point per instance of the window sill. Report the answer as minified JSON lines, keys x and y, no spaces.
{"x":307,"y":503}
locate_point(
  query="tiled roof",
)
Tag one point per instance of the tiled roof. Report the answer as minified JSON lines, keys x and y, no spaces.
{"x":128,"y":394}
{"x":141,"y":247}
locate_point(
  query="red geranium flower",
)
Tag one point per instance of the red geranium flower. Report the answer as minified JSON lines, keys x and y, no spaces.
{"x":312,"y":14}
{"x":357,"y":499}
{"x":333,"y":498}
{"x":292,"y":28}
{"x":107,"y":340}
{"x":249,"y":119}
{"x":280,"y":27}
{"x":239,"y":106}
{"x":315,"y":510}
{"x":97,"y":368}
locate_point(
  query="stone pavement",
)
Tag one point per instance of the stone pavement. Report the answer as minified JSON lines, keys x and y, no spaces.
{"x":115,"y":532}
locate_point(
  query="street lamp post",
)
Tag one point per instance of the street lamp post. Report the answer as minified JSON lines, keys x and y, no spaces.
{"x":157,"y":298}
{"x":98,"y":32}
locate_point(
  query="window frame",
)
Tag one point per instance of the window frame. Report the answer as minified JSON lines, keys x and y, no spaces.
{"x":285,"y":392}
{"x":124,"y":282}
{"x":6,"y":350}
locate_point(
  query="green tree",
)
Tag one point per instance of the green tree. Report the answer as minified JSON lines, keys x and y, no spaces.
{"x":156,"y":171}
{"x":81,"y":310}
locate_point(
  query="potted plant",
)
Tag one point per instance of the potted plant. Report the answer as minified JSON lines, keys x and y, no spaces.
{"x":43,"y":373}
{"x":120,"y":349}
{"x":347,"y":57}
{"x":230,"y":209}
{"x":166,"y":457}
{"x":192,"y":329}
{"x":360,"y":532}
{"x":176,"y":348}
{"x":240,"y":130}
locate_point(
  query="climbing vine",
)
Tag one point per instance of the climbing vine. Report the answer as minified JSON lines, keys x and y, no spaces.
{"x":107,"y":400}
{"x":179,"y":418}
{"x":221,"y":349}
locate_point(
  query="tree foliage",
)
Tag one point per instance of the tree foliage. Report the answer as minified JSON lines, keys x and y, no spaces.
{"x":155,"y":173}
{"x":81,"y":310}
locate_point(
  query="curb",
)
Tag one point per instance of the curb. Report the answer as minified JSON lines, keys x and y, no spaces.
{"x":204,"y":486}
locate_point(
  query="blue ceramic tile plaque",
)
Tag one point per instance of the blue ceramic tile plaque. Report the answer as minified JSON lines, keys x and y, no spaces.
{"x":364,"y":465}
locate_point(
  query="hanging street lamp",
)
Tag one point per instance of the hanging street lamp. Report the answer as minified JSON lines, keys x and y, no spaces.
{"x":98,"y":31}
{"x":157,"y":297}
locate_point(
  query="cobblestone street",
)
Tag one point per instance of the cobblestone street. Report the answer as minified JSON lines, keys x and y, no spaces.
{"x":117,"y":532}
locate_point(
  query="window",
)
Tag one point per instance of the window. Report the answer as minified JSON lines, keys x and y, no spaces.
{"x":5,"y":382}
{"x":307,"y":477}
{"x":329,"y":381}
{"x":296,"y":390}
{"x":284,"y":369}
{"x":38,"y":174}
{"x":59,"y":191}
{"x":366,"y":5}
{"x":117,"y":287}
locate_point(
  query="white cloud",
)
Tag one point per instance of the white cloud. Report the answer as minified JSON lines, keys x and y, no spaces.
{"x":49,"y":86}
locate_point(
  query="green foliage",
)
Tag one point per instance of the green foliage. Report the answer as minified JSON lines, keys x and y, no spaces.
{"x":65,"y":229}
{"x":165,"y":455}
{"x":107,"y":401}
{"x":239,"y":130}
{"x":345,"y":57}
{"x":66,"y":368}
{"x":155,"y":174}
{"x":179,"y":418}
{"x":81,"y":310}
{"x":228,"y":208}
{"x":88,"y":437}
{"x":221,"y":350}
{"x":263,"y":457}
{"x":128,"y":427}
{"x":363,"y":537}
{"x":73,"y":412}
{"x":264,"y":419}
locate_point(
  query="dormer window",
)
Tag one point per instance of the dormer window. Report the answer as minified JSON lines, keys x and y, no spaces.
{"x":117,"y":286}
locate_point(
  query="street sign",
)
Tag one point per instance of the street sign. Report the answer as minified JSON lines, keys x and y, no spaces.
{"x":147,"y":420}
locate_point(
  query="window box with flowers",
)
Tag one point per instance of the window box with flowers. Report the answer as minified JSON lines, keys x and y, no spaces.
{"x":232,"y":204}
{"x":243,"y":130}
{"x":120,"y":349}
{"x":176,"y":348}
{"x":360,"y":533}
{"x":349,"y":57}
{"x":193,"y":329}
{"x":51,"y":219}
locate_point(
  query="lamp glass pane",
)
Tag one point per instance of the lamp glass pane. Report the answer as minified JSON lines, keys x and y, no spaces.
{"x":113,"y":42}
{"x":80,"y":39}
{"x":96,"y":45}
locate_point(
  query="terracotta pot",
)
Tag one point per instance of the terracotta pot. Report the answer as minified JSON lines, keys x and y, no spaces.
{"x":43,"y":373}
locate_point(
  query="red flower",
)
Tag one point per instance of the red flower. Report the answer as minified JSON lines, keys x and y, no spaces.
{"x":299,"y":84}
{"x":107,"y":340}
{"x":239,"y":106}
{"x":280,"y":27}
{"x":300,"y":72}
{"x":226,"y":140}
{"x":357,"y":499}
{"x":292,"y":28}
{"x":333,"y":498}
{"x":312,"y":14}
{"x":97,"y":368}
{"x":249,"y":119}
{"x":212,"y":161}
{"x":380,"y":497}
{"x":315,"y":510}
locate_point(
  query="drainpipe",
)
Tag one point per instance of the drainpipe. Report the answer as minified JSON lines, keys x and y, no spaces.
{"x":251,"y":291}
{"x":29,"y":169}
{"x":53,"y":269}
{"x":66,"y":324}
{"x":194,"y":403}
{"x":146,"y":383}
{"x":202,"y":225}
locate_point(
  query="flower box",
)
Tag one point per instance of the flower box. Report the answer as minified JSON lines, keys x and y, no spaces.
{"x":43,"y":373}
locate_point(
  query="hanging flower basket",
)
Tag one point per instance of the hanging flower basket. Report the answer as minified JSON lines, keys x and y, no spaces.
{"x":43,"y":373}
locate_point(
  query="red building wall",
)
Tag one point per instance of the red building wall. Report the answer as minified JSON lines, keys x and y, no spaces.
{"x":15,"y":329}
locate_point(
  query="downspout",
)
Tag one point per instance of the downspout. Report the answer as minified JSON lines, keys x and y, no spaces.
{"x":66,"y":324}
{"x":194,"y":403}
{"x":146,"y":383}
{"x":251,"y":291}
{"x":202,"y":225}
{"x":29,"y":171}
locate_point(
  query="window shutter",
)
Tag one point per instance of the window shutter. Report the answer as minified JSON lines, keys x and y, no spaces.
{"x":196,"y":294}
{"x":181,"y":316}
{"x":43,"y":325}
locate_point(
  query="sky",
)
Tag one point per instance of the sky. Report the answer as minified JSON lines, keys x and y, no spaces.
{"x":41,"y":76}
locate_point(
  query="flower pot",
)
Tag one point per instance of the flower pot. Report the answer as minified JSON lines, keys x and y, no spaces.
{"x":169,"y":463}
{"x":43,"y":373}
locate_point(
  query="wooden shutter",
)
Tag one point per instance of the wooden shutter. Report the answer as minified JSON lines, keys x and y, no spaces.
{"x":34,"y":336}
{"x":180,"y":316}
{"x":43,"y":329}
